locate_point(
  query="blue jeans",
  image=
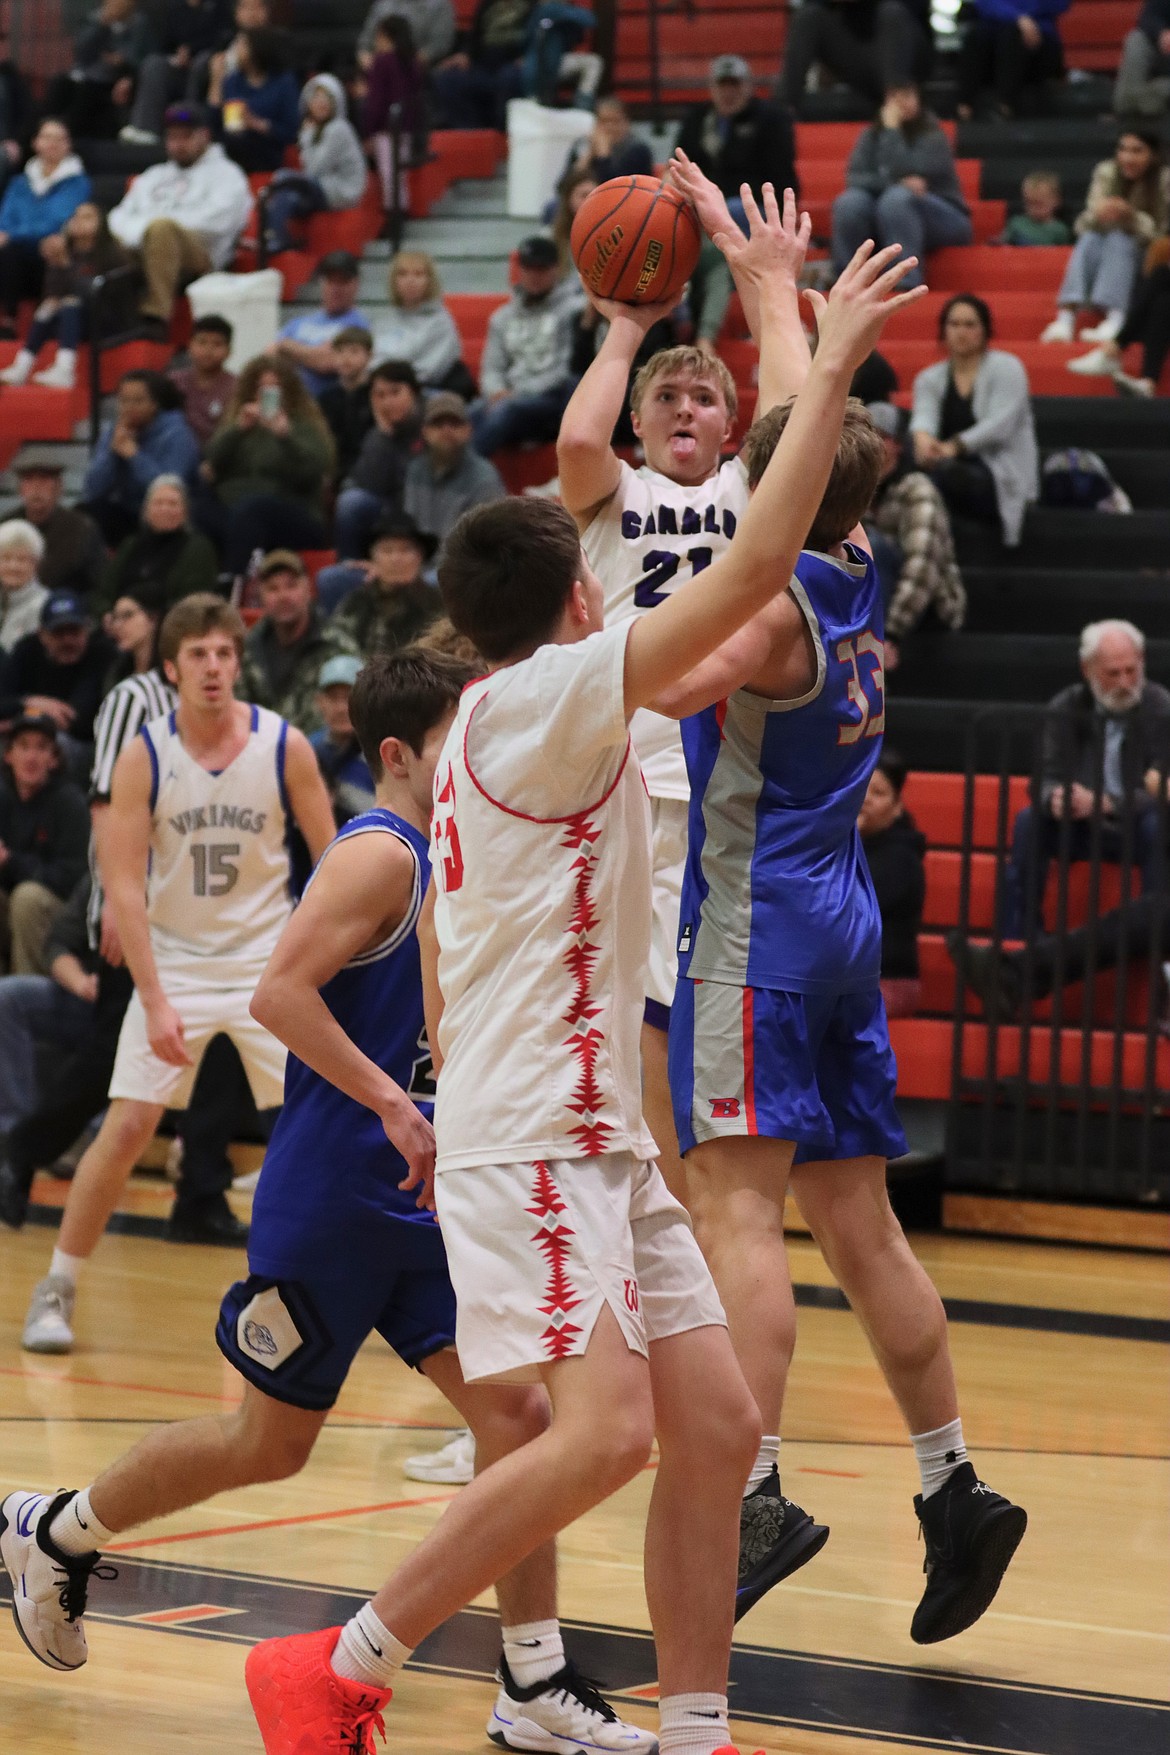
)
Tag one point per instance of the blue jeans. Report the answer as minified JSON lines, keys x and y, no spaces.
{"x":920,"y":223}
{"x":520,"y":419}
{"x":35,"y":1013}
{"x":1102,"y":271}
{"x":334,"y":584}
{"x":291,"y":195}
{"x":1036,"y":843}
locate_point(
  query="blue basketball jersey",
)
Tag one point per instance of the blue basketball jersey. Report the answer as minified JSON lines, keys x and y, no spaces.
{"x":330,"y":1177}
{"x":776,"y":891}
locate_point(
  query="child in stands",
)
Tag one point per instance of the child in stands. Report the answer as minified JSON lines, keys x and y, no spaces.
{"x":75,"y":257}
{"x":204,"y":382}
{"x":1040,"y":221}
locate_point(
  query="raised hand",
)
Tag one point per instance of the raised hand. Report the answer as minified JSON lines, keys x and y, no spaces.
{"x":706,"y":197}
{"x":643,"y":317}
{"x":851,"y":319}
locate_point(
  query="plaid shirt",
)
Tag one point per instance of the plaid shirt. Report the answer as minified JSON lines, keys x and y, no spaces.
{"x":911,"y":510}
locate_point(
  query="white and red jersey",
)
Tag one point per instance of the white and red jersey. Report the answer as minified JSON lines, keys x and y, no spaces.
{"x":540,"y":849}
{"x":647,"y":540}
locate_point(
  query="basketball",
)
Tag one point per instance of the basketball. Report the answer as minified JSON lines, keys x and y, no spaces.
{"x":635,"y":240}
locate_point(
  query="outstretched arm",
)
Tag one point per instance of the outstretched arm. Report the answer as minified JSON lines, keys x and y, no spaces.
{"x":589,"y":471}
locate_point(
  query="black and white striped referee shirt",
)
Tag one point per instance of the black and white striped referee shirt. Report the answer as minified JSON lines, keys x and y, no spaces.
{"x":130,"y":705}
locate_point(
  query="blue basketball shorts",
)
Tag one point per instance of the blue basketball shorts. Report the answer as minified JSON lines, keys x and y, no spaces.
{"x":296,"y":1336}
{"x":812,"y":1068}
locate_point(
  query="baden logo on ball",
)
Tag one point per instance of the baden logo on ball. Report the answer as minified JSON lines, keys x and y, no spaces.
{"x":635,"y":240}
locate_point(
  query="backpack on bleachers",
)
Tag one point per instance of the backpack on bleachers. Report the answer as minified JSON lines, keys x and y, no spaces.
{"x":1081,"y":479}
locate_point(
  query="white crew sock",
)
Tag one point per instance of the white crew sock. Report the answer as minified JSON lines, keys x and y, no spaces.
{"x":368,"y":1652}
{"x":77,"y":1529}
{"x":534,"y":1651}
{"x":66,"y":1267}
{"x":768,"y":1457}
{"x":939,"y":1454}
{"x":692,"y":1724}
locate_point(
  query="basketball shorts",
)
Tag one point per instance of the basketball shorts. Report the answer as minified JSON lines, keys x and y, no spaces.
{"x":140,"y":1075}
{"x":536,"y":1250}
{"x":816,"y":1069}
{"x":668,"y":817}
{"x":295,"y":1338}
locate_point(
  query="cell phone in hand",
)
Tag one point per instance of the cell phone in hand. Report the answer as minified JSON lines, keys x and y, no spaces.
{"x":269,"y":400}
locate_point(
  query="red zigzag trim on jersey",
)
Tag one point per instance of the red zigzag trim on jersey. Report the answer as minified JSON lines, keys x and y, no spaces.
{"x":585,"y":1042}
{"x":560,"y":1295}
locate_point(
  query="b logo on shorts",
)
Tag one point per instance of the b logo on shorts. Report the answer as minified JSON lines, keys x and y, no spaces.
{"x":631,"y":1293}
{"x":724,"y":1108}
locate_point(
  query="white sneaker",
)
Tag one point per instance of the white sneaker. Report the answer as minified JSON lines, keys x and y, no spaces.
{"x":46,"y":1327}
{"x":61,"y":375}
{"x":1100,"y":363}
{"x":131,"y":136}
{"x":565,"y":1716}
{"x":1108,"y":329}
{"x":18,"y":371}
{"x":48,"y":1587}
{"x":1131,"y":386}
{"x":452,"y":1466}
{"x":1062,"y":328}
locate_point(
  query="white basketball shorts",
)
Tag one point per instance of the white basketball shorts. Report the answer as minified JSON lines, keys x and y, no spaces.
{"x":142,"y":1077}
{"x":668,"y":818}
{"x":535,"y":1250}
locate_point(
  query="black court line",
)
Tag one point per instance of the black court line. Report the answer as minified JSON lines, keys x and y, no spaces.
{"x":938,"y":1709}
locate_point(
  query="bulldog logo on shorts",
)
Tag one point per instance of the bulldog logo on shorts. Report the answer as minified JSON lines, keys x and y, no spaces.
{"x":266,"y":1331}
{"x":258,"y":1339}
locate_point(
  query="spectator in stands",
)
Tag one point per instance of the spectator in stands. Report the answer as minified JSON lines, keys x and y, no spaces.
{"x":108,"y":51}
{"x":418,"y":326}
{"x":972,"y":426}
{"x":394,"y":103}
{"x":1039,"y":220}
{"x":472,"y":86}
{"x":431,"y":22}
{"x":59,"y":672}
{"x":1143,"y":74}
{"x":132,"y":623}
{"x":611,"y":149}
{"x":448,"y":476}
{"x":257,"y":103}
{"x":902,"y":187}
{"x":270,"y":462}
{"x":873,"y":46}
{"x":1128,"y":204}
{"x":190,"y":32}
{"x":895,"y":852}
{"x":74,"y":555}
{"x":332,"y":174}
{"x":1147,"y":323}
{"x":22,"y":596}
{"x":909,"y":513}
{"x":15,"y":111}
{"x":284,"y":652}
{"x":45,"y":1014}
{"x":183,"y":217}
{"x":204,"y":383}
{"x":338,"y":752}
{"x":554,"y":56}
{"x":247,"y":15}
{"x":1007,"y":48}
{"x":395,"y":604}
{"x":76,"y":256}
{"x":148,"y":436}
{"x":574,"y":193}
{"x":526,"y":374}
{"x":166,"y":557}
{"x":345,"y":403}
{"x":35,"y":207}
{"x":44,"y":835}
{"x":373,"y":488}
{"x":1107,"y":736}
{"x":307,"y":340}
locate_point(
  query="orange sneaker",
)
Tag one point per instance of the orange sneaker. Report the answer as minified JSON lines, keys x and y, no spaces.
{"x":730,"y":1749}
{"x":303,"y":1707}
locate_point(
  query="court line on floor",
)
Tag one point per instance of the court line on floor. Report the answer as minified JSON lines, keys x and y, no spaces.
{"x":277,"y":1523}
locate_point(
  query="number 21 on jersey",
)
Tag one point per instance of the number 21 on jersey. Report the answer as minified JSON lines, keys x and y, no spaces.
{"x":866,"y":681}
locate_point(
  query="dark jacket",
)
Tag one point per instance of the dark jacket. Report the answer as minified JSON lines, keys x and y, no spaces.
{"x":167,"y":446}
{"x":391,"y":80}
{"x":498,"y":33}
{"x":129,"y":40}
{"x":29,"y":670}
{"x":755,"y":146}
{"x":255,"y":460}
{"x":69,"y":933}
{"x":382,"y":621}
{"x":1153,"y":19}
{"x":883,"y":156}
{"x":860,"y":16}
{"x":897,"y":864}
{"x":173,"y":565}
{"x":47,"y":836}
{"x":1073,"y":740}
{"x":75,"y":555}
{"x":284,"y":680}
{"x":381,"y":462}
{"x":16,"y":104}
{"x":350,"y":419}
{"x":199,"y":28}
{"x":276,"y":100}
{"x":117,"y":307}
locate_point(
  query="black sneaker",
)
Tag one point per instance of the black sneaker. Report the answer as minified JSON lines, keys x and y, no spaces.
{"x":971,"y":1534}
{"x":13,"y":1195}
{"x":776,"y":1538}
{"x":207,"y":1222}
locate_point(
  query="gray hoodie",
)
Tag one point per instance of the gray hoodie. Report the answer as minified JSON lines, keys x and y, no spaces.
{"x":530,"y":342}
{"x":425,"y":335}
{"x":883,"y":156}
{"x":333,"y":154}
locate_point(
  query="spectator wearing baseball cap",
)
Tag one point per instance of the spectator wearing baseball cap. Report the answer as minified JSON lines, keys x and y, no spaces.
{"x":44,"y":841}
{"x":338,"y":752}
{"x":448,"y":476}
{"x":525,"y":374}
{"x":59,"y":672}
{"x":75,"y":555}
{"x":307,"y":340}
{"x":285,"y":651}
{"x":872,"y":46}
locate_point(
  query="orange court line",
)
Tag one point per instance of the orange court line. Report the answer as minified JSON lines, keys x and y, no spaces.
{"x":838,"y":1474}
{"x":277,"y":1523}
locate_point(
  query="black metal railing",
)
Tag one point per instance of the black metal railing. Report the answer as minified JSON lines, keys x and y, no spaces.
{"x":1053,"y":1095}
{"x":99,"y":294}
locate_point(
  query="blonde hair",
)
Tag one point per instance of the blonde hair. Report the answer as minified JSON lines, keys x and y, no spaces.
{"x":690,"y":362}
{"x":1037,"y":180}
{"x":413,"y":259}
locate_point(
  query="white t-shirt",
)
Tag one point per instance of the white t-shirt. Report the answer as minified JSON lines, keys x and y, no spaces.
{"x":647,"y":540}
{"x":540,"y":851}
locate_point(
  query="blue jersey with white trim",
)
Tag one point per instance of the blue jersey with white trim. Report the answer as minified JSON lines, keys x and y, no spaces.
{"x":330,"y":1178}
{"x":776,"y":891}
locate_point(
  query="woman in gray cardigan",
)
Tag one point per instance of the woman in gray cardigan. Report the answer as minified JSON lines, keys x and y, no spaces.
{"x":902,"y":187}
{"x":333,"y":166}
{"x":971,"y":424}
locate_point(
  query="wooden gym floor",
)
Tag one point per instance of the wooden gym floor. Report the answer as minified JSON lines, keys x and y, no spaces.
{"x":1063,"y":1362}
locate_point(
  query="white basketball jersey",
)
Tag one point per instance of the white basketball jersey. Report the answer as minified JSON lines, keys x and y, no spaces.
{"x":647,"y":540}
{"x":540,"y":855}
{"x":217,"y":894}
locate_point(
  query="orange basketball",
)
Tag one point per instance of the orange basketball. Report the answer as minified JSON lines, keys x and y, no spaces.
{"x":635,"y":240}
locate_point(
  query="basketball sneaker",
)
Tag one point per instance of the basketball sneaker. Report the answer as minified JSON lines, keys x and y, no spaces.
{"x":303,"y":1707}
{"x":46,"y":1327}
{"x":776,"y":1538}
{"x":565,"y":1714}
{"x":971,"y":1534}
{"x":48,"y":1586}
{"x":452,"y":1466}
